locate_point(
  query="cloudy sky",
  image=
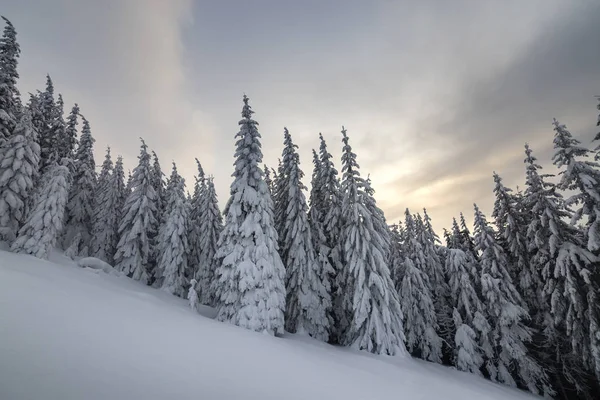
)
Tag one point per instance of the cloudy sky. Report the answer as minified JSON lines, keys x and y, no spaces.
{"x":435,"y":94}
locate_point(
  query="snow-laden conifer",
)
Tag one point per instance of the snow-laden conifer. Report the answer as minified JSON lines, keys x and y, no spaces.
{"x":416,"y":299}
{"x":507,"y":317}
{"x":268,"y":179}
{"x":250,"y":279}
{"x":370,"y":301}
{"x":560,"y":254}
{"x":9,"y":94}
{"x":44,"y":222}
{"x":80,"y":208}
{"x":194,"y":229}
{"x":68,"y":141}
{"x":211,"y":226}
{"x":158,"y":183}
{"x":19,"y":159}
{"x":60,"y":129}
{"x":133,"y":249}
{"x":47,"y":137}
{"x":108,"y":209}
{"x":172,"y":244}
{"x":307,"y":298}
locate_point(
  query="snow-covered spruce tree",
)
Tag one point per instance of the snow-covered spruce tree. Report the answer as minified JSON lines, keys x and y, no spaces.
{"x":44,"y":222}
{"x":565,"y":265}
{"x":331,"y":210}
{"x":379,"y":222}
{"x":597,"y":137}
{"x":47,"y":137}
{"x":506,"y":315}
{"x":268,"y":179}
{"x":211,"y":226}
{"x":173,"y":245}
{"x":281,"y":190}
{"x":108,"y":208}
{"x":68,"y":141}
{"x":435,"y":270}
{"x":307,"y":298}
{"x":416,"y":300}
{"x":19,"y":159}
{"x":250,"y":279}
{"x":60,"y":128}
{"x":511,"y":233}
{"x":138,"y":218}
{"x":370,"y":301}
{"x":194,"y":227}
{"x":80,"y":208}
{"x":9,"y":94}
{"x":583,"y":177}
{"x":158,"y":183}
{"x":315,"y":220}
{"x":396,"y":259}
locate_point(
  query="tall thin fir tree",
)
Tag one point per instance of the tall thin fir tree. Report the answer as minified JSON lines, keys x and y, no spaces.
{"x":268,"y":179}
{"x":511,"y":233}
{"x":109,"y":204}
{"x":416,"y":300}
{"x":173,"y":245}
{"x":331,"y":210}
{"x":10,"y":102}
{"x":251,"y":276}
{"x":47,"y":137}
{"x":370,"y":300}
{"x":195,"y":233}
{"x":158,"y":183}
{"x":565,"y":264}
{"x":19,"y":159}
{"x":44,"y":222}
{"x":80,"y":208}
{"x":507,"y":316}
{"x":316,"y":221}
{"x":396,"y":259}
{"x":138,"y":218}
{"x":60,"y":129}
{"x":211,"y":226}
{"x":69,"y":140}
{"x":583,"y":178}
{"x":307,"y":298}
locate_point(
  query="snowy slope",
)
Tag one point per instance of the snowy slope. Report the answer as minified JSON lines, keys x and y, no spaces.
{"x":70,"y":333}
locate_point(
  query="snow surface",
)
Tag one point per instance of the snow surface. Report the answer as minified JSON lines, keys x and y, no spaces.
{"x":67,"y":333}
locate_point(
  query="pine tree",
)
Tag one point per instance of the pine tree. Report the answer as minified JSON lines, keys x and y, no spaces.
{"x":68,"y":142}
{"x":19,"y":159}
{"x":60,"y":129}
{"x":396,"y":259}
{"x":139,"y":210}
{"x":47,"y":135}
{"x":251,"y":277}
{"x":307,"y":298}
{"x":316,"y":222}
{"x":268,"y":179}
{"x":9,"y":94}
{"x":331,"y":211}
{"x":158,"y":183}
{"x":80,"y":208}
{"x":195,"y":233}
{"x":44,"y":222}
{"x":173,"y":245}
{"x":507,"y":317}
{"x":211,"y":226}
{"x":369,"y":299}
{"x":511,"y":232}
{"x":109,"y":205}
{"x":420,"y":318}
{"x":565,"y":264}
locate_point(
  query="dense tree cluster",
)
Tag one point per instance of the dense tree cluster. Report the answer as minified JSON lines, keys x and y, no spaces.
{"x":516,"y":301}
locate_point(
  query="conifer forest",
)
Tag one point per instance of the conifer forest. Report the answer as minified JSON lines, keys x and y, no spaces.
{"x":515,"y":298}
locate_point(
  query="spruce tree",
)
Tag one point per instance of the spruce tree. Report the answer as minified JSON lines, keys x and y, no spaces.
{"x":307,"y":298}
{"x":173,"y":245}
{"x":565,"y":266}
{"x":108,"y":208}
{"x":251,"y":276}
{"x":138,"y":219}
{"x":268,"y":179}
{"x":47,"y":135}
{"x":396,"y":259}
{"x":60,"y":129}
{"x":416,"y":298}
{"x":211,"y":226}
{"x":331,"y":210}
{"x":68,"y":141}
{"x":9,"y":94}
{"x":44,"y":222}
{"x":19,"y":159}
{"x":158,"y":183}
{"x":507,"y":317}
{"x":80,"y":208}
{"x":195,"y":233}
{"x":370,"y":301}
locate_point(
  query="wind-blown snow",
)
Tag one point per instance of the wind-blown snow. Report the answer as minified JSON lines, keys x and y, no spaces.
{"x":68,"y":333}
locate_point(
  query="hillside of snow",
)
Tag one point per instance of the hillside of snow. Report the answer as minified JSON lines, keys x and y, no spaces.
{"x":73,"y":333}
